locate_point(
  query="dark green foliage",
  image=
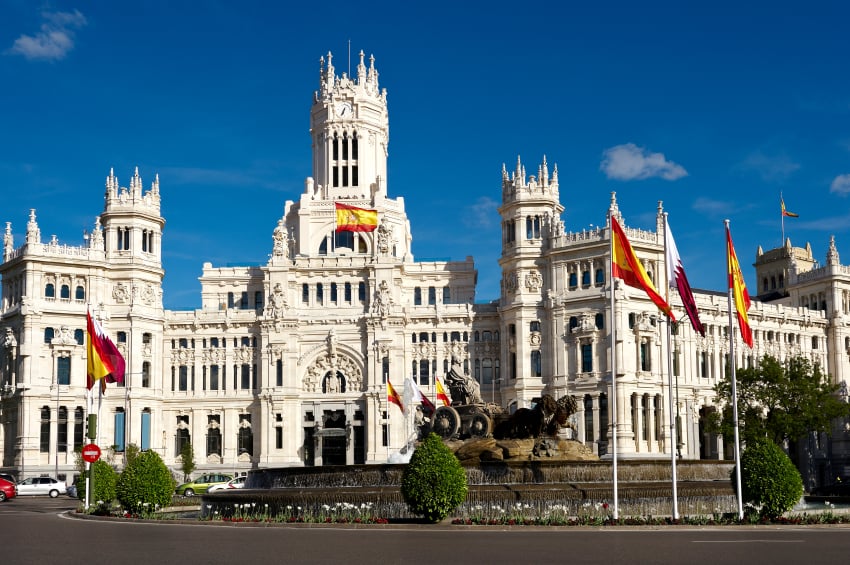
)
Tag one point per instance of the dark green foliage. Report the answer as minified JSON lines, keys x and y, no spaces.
{"x":102,"y":485}
{"x":187,"y":460}
{"x":434,"y":482}
{"x":131,"y":451}
{"x":769,"y":478}
{"x":145,"y":484}
{"x":780,"y":401}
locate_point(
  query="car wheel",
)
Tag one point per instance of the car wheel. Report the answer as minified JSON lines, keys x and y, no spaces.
{"x":2,"y":496}
{"x":188,"y":492}
{"x":54,"y":493}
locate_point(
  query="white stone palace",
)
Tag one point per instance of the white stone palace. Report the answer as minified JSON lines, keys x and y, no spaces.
{"x":286,"y":364}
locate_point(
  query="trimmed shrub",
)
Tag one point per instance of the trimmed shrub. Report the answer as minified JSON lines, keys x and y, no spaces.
{"x":769,"y":478}
{"x":434,"y":482}
{"x":145,"y":484}
{"x":104,"y":480}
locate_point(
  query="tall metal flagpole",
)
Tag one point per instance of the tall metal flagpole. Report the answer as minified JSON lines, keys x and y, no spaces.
{"x":782,"y":217}
{"x":734,"y":380}
{"x":673,"y":434}
{"x":613,"y":365}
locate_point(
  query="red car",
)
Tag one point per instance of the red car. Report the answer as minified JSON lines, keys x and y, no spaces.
{"x":7,"y":490}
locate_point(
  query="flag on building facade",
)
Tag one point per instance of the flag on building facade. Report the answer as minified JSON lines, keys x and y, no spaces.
{"x":676,"y":278}
{"x":420,"y":399}
{"x":104,"y":362}
{"x":786,"y":213}
{"x":352,"y":218}
{"x":626,"y":266}
{"x":739,"y":290}
{"x":393,"y":397}
{"x":441,"y":394}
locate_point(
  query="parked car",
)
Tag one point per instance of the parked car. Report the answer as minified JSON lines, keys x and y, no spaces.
{"x":8,"y":477}
{"x":201,"y":484}
{"x":8,"y":490}
{"x":42,"y":485}
{"x":237,"y":482}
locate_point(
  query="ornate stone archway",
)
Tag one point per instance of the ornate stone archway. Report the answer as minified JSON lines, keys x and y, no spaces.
{"x":333,"y":371}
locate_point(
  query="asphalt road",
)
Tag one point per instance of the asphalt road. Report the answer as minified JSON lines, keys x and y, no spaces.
{"x":34,"y":530}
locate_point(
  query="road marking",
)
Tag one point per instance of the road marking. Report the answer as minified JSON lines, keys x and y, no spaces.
{"x":751,"y":541}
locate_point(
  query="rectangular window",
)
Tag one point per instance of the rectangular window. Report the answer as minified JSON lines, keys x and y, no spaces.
{"x":184,"y":378}
{"x":333,"y":293}
{"x":62,"y":431}
{"x":243,"y":302}
{"x":536,"y":364}
{"x":644,"y":357}
{"x":348,"y":292}
{"x":146,"y":430}
{"x":146,"y":374}
{"x":305,"y":293}
{"x":278,"y":438}
{"x":586,"y":358}
{"x":119,"y":431}
{"x":214,"y":377}
{"x":417,"y":296}
{"x":385,"y":368}
{"x":279,"y":373}
{"x":432,"y":295}
{"x":320,"y":293}
{"x":361,"y":292}
{"x":63,"y":370}
{"x":245,"y":382}
{"x":44,"y":436}
{"x":78,"y":427}
{"x":258,"y":300}
{"x":447,"y":295}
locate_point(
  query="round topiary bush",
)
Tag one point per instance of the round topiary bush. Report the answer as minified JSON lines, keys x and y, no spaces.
{"x":769,"y":478}
{"x":145,"y":484}
{"x":434,"y":482}
{"x":102,"y":486}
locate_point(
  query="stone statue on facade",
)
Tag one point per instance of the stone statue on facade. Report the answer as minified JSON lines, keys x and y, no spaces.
{"x":463,"y":388}
{"x":384,"y":233}
{"x":382,"y":303}
{"x":280,"y":240}
{"x":277,"y":302}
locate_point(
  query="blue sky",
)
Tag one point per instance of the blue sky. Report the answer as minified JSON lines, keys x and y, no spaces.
{"x":714,"y":108}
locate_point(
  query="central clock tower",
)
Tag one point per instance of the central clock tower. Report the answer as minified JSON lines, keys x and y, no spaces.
{"x":350,"y":132}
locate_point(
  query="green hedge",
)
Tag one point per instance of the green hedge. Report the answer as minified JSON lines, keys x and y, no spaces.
{"x":769,"y":478}
{"x":434,"y":482}
{"x":103,"y":483}
{"x":145,"y":484}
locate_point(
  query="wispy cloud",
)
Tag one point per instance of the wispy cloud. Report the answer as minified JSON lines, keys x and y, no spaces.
{"x":771,"y":168}
{"x":630,"y":162}
{"x":53,"y":41}
{"x":840,"y":185}
{"x":482,"y":214}
{"x":712,"y":207}
{"x":215,"y":177}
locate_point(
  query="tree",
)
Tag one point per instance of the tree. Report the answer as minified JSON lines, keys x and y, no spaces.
{"x":145,"y":484}
{"x":769,"y":479}
{"x":781,"y":402}
{"x":434,"y":482}
{"x":187,"y":460}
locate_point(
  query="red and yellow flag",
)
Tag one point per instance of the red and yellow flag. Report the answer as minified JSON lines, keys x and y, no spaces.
{"x":392,"y":396}
{"x":441,"y":394}
{"x":739,"y":290}
{"x":352,"y":218}
{"x":785,"y":212}
{"x":104,"y":362}
{"x":626,"y":266}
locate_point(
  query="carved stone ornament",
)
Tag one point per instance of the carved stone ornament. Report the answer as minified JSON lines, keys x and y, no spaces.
{"x":533,"y":281}
{"x":384,"y":234}
{"x":280,"y":239}
{"x":322,"y":374}
{"x":148,"y":294}
{"x":121,"y":293}
{"x":511,"y":281}
{"x":383,"y":302}
{"x":9,"y":341}
{"x":277,"y":305}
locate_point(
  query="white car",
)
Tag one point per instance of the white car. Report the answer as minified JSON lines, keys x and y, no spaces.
{"x":42,"y":485}
{"x":237,"y":482}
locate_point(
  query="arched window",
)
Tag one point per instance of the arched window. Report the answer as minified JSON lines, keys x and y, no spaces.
{"x":600,"y":321}
{"x":65,"y":292}
{"x":600,"y":277}
{"x":49,"y":291}
{"x":80,"y":293}
{"x":49,"y":334}
{"x":573,"y":280}
{"x":585,"y":278}
{"x":79,"y":336}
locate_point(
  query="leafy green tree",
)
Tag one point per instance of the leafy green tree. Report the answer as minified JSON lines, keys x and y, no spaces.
{"x":145,"y":484}
{"x":187,"y":460}
{"x":781,"y":402}
{"x":102,"y":485}
{"x":769,"y":478}
{"x":434,"y":482}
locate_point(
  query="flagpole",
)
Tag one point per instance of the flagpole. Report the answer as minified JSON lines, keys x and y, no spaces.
{"x":734,"y":383}
{"x":782,"y":214}
{"x":673,"y":434}
{"x":616,"y":514}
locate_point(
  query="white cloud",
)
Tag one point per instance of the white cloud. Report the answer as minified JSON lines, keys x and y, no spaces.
{"x":54,"y":40}
{"x":482,"y":214}
{"x":771,"y":168}
{"x":711,"y":207}
{"x":630,"y":162}
{"x":840,"y":185}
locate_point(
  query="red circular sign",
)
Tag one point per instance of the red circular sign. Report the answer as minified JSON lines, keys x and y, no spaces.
{"x":91,"y":453}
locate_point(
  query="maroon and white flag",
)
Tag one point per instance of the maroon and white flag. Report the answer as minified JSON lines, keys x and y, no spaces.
{"x":676,"y":278}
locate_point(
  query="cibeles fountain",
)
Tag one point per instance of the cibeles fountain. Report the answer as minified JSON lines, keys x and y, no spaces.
{"x":525,"y":460}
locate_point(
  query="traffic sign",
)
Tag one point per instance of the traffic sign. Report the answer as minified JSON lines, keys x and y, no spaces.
{"x":91,"y":453}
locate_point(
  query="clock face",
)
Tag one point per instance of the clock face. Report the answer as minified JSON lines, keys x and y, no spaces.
{"x":343,"y":110}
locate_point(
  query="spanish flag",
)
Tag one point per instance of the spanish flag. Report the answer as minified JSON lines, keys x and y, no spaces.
{"x":441,"y":394}
{"x":104,"y":362}
{"x":351,"y":218}
{"x":786,"y":213}
{"x":626,"y":266}
{"x":392,"y":396}
{"x":739,"y":290}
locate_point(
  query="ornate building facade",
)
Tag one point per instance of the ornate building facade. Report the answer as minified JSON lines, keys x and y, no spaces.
{"x":286,"y":364}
